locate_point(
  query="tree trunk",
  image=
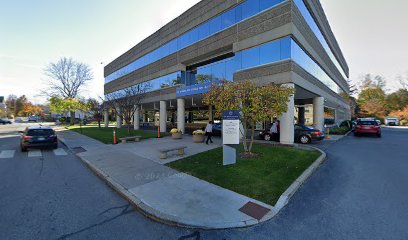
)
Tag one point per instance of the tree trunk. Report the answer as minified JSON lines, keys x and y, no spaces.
{"x":72,"y":114}
{"x":99,"y":123}
{"x":244,"y":141}
{"x":252,"y":137}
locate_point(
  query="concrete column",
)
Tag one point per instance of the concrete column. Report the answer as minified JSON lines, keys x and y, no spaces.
{"x":163,"y":116}
{"x":318,"y":113}
{"x":106,"y":118}
{"x":301,"y":115}
{"x":210,"y":113}
{"x":136,"y":118}
{"x":181,"y":111}
{"x":118,"y":118}
{"x":287,"y":127}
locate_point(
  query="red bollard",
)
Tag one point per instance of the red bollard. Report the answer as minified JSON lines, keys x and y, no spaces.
{"x":158,"y":132}
{"x":114,"y":136}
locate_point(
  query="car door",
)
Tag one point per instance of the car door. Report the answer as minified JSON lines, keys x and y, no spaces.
{"x":298,"y":131}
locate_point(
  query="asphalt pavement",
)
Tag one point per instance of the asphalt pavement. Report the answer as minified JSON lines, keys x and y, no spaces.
{"x":360,"y":192}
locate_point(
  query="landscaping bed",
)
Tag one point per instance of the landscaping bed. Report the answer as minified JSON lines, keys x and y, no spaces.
{"x":105,"y":135}
{"x":264,"y":178}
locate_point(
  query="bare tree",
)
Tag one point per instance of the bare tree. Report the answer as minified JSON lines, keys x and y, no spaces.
{"x":125,"y":101}
{"x":403,"y":81}
{"x":66,"y":78}
{"x":96,"y":108}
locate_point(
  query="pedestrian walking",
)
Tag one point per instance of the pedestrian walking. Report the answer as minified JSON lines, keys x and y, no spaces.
{"x":208,"y":131}
{"x":274,"y":131}
{"x":278,"y":128}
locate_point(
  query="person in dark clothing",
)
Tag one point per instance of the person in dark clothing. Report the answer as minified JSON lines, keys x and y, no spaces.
{"x":208,"y":132}
{"x":278,"y":128}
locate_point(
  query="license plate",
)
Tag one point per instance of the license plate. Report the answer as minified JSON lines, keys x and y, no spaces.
{"x":41,"y":139}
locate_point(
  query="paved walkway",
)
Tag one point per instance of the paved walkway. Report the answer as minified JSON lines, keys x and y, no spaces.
{"x":135,"y":170}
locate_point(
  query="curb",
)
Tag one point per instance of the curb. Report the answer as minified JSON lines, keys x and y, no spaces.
{"x":295,"y":186}
{"x":173,"y":221}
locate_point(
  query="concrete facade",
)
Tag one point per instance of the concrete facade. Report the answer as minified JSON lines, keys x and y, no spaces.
{"x":280,"y":21}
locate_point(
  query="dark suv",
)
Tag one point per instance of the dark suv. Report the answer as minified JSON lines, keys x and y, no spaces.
{"x":4,"y":121}
{"x":38,"y":137}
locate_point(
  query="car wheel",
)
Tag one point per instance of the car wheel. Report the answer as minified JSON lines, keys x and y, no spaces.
{"x":356,"y":134}
{"x":379,"y":135}
{"x":55,"y":146}
{"x":304,"y":139}
{"x":267,"y":137}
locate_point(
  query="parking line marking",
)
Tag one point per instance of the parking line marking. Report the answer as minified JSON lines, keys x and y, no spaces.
{"x":60,"y":152}
{"x":7,"y":153}
{"x":34,"y":153}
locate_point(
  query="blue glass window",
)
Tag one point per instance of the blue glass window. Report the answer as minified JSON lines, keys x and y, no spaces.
{"x":270,"y":52}
{"x":285,"y":48}
{"x":265,"y":4}
{"x":250,"y":58}
{"x":250,"y":8}
{"x":312,"y":24}
{"x":227,"y":19}
{"x":215,"y":25}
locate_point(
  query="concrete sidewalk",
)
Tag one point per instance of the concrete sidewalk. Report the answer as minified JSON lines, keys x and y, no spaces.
{"x":135,"y":171}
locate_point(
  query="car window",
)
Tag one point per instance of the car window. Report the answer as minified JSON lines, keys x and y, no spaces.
{"x":367,"y":123}
{"x":40,"y":132}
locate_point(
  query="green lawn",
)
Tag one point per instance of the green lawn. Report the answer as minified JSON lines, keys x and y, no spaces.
{"x":105,"y":135}
{"x":264,"y":178}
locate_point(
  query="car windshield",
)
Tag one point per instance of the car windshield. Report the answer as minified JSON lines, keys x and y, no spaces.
{"x":367,"y":123}
{"x":40,"y":132}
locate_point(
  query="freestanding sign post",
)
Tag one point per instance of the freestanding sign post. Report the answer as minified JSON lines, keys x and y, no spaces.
{"x":230,"y":136}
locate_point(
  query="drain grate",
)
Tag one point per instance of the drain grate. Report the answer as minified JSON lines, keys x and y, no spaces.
{"x":254,"y":210}
{"x":78,"y":149}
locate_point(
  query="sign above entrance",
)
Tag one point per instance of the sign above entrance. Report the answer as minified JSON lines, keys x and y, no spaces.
{"x":193,"y":90}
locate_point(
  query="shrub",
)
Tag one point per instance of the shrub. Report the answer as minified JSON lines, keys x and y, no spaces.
{"x":339,"y":130}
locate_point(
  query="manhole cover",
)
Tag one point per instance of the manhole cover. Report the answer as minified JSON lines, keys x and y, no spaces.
{"x":254,"y":210}
{"x":78,"y":149}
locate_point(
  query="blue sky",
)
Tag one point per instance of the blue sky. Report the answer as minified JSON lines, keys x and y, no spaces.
{"x":33,"y":33}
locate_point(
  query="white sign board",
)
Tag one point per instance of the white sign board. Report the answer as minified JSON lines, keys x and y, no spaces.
{"x":230,"y":132}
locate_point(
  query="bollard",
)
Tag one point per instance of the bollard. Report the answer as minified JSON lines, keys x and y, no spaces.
{"x":158,"y":132}
{"x":114,"y":137}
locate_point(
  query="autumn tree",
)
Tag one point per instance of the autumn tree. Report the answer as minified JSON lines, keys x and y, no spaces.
{"x":31,"y":109}
{"x":397,"y":100}
{"x":256,"y":103}
{"x":61,"y":105}
{"x":66,"y":79}
{"x":372,"y":102}
{"x":11,"y":105}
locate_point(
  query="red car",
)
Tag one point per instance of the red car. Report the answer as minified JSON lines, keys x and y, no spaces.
{"x":367,"y":127}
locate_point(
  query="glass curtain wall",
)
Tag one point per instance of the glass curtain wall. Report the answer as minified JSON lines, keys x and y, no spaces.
{"x":219,"y":23}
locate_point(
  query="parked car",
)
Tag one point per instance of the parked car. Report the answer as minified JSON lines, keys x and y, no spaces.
{"x":38,"y":137}
{"x":32,"y":119}
{"x":391,"y":121}
{"x":303,"y":134}
{"x":216,"y":129}
{"x":4,"y":121}
{"x":367,"y":127}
